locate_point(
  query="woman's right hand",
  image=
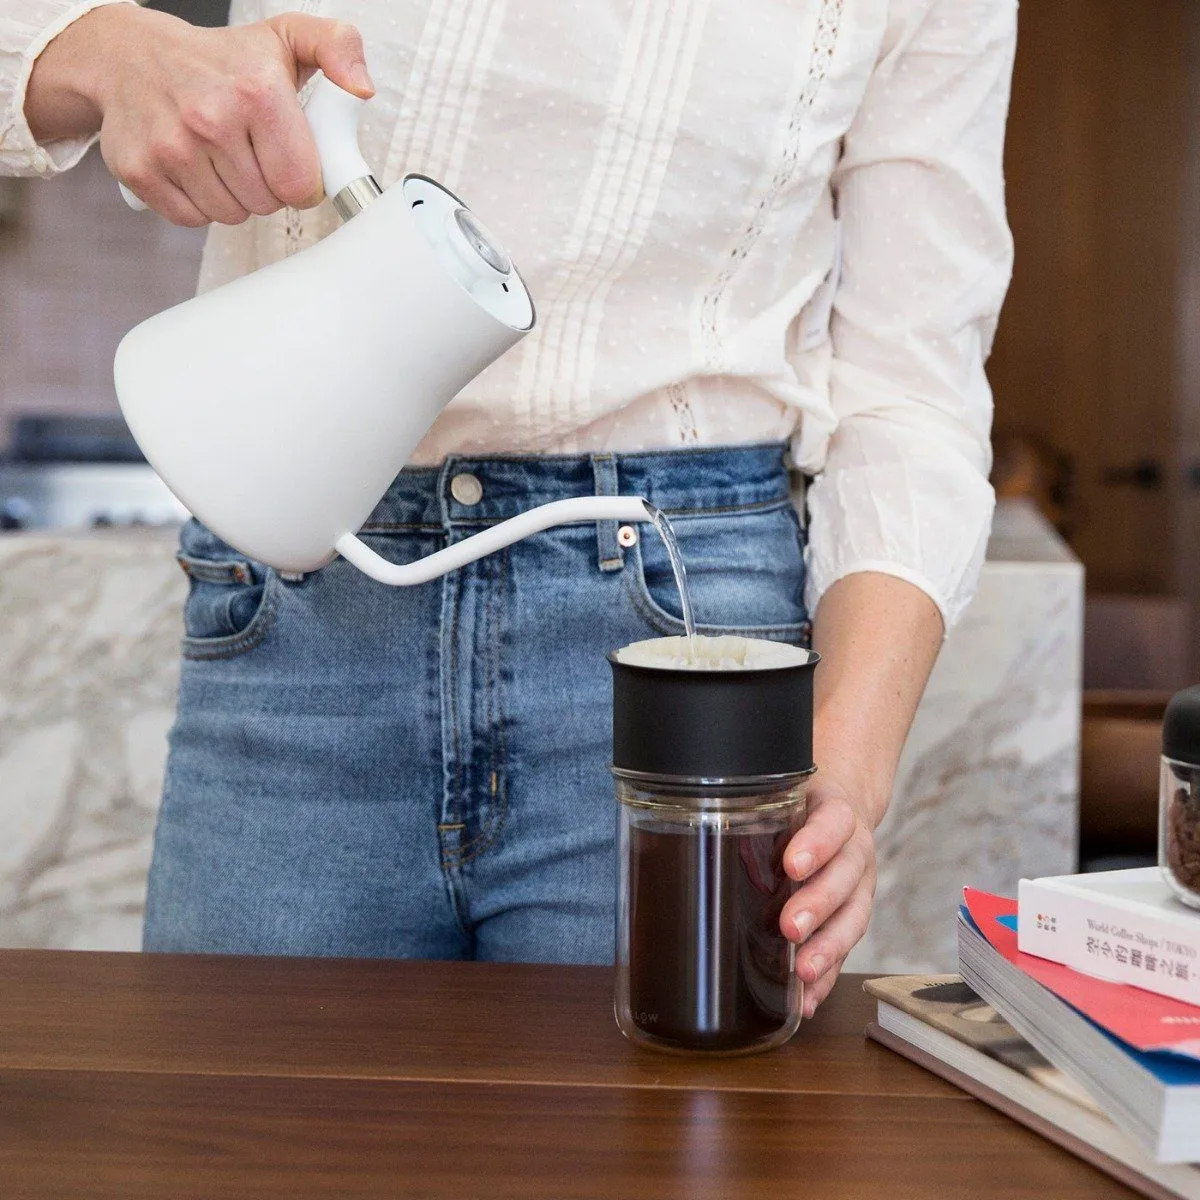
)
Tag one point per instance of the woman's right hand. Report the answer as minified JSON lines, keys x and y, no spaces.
{"x":202,"y":124}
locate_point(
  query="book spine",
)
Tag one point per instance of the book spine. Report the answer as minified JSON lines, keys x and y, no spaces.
{"x":1106,"y":941}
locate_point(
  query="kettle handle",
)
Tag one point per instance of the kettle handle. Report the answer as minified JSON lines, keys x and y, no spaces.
{"x":536,"y":520}
{"x":332,"y":115}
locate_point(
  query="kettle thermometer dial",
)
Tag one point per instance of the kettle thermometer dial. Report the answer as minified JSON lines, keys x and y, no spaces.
{"x":470,"y":233}
{"x":469,"y":252}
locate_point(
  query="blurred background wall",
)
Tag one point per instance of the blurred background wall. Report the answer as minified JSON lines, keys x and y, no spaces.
{"x":1095,"y":369}
{"x":77,"y":270}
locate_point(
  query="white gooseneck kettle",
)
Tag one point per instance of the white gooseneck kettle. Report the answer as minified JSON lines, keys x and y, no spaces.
{"x":279,"y":407}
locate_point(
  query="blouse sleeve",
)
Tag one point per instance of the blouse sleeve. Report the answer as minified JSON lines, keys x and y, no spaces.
{"x":26,"y":28}
{"x":927,"y":257}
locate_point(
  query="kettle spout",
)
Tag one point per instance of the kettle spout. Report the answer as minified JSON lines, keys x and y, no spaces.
{"x":546,"y":516}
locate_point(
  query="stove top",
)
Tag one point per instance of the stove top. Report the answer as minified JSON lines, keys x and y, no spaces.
{"x":65,"y":471}
{"x":84,"y":496}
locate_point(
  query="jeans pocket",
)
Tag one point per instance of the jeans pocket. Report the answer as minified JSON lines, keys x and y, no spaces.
{"x":230,"y":603}
{"x":745,"y":575}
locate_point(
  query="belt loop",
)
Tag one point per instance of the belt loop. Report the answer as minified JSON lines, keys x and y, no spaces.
{"x":609,"y":555}
{"x":798,"y":492}
{"x":447,"y":469}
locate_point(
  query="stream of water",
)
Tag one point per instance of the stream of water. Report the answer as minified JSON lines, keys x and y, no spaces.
{"x":659,"y":519}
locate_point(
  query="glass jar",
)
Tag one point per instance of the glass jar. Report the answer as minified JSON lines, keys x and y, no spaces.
{"x":712,"y":747}
{"x":701,"y":961}
{"x":1179,"y":797}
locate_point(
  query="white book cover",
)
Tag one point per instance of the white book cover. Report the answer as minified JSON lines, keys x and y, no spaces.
{"x":1124,"y":926}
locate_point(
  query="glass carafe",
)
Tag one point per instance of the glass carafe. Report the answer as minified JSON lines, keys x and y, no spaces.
{"x":701,"y":961}
{"x":711,"y":766}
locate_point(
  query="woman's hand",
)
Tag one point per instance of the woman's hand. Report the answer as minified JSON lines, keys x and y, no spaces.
{"x":878,"y":637}
{"x":833,"y":857}
{"x":202,"y":124}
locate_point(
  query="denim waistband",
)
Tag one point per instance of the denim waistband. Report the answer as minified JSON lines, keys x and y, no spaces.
{"x":467,"y":490}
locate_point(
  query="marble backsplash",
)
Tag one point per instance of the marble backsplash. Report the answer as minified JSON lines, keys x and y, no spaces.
{"x":988,"y":787}
{"x":89,"y":631}
{"x":88,"y":669}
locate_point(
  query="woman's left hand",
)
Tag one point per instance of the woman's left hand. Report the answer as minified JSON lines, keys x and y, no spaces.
{"x":833,"y":857}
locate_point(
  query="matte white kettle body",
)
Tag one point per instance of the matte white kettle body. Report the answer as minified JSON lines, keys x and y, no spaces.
{"x":279,"y":407}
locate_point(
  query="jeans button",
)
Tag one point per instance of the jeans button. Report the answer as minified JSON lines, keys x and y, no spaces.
{"x":466,"y":489}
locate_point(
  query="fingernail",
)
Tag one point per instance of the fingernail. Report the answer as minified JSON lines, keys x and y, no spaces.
{"x":360,"y":78}
{"x":816,"y":965}
{"x":803,"y":921}
{"x":810,"y":1010}
{"x":802,"y":864}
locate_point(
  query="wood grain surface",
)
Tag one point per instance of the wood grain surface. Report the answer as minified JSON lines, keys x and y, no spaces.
{"x":372,"y":1019}
{"x":209,"y":1136}
{"x":141,"y":1076}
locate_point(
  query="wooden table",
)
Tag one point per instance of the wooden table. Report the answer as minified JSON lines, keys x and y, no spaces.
{"x":139,"y":1076}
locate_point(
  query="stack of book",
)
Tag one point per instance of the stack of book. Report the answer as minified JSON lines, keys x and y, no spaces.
{"x":1077,"y":1011}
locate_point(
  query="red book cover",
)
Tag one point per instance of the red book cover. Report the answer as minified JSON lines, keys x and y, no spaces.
{"x":1142,"y":1019}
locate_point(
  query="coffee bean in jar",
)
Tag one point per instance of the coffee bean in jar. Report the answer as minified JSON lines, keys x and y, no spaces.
{"x":1179,"y":797}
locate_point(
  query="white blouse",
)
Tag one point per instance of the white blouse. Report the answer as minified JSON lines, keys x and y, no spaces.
{"x":671,"y":176}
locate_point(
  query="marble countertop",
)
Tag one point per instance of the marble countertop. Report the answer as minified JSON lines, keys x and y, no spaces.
{"x":89,"y":647}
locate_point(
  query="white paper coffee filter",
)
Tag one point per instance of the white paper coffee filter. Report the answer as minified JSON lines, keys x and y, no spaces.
{"x":725,"y":653}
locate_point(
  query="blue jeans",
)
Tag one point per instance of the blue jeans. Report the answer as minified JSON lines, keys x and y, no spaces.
{"x":422,"y":772}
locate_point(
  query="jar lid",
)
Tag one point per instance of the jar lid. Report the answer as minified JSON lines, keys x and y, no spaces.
{"x":714,"y":724}
{"x":1181,"y":727}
